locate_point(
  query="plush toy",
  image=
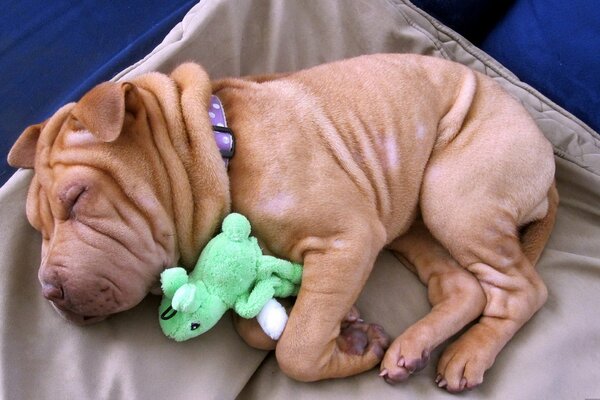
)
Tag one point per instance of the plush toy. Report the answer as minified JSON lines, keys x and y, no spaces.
{"x":231,"y":273}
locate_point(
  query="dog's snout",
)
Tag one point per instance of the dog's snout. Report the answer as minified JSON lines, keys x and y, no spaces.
{"x":52,"y":291}
{"x":78,"y":299}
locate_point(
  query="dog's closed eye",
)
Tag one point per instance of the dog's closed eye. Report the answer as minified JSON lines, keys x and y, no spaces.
{"x":71,"y":195}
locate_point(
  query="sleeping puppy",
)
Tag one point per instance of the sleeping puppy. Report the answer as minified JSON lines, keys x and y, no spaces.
{"x":332,"y":165}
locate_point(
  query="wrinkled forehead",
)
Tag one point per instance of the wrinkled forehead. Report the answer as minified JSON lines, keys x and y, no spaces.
{"x":66,"y":144}
{"x":48,"y":136}
{"x":60,"y":148}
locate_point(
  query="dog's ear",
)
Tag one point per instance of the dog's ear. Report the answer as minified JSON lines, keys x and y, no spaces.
{"x":102,"y":110}
{"x":22,"y":154}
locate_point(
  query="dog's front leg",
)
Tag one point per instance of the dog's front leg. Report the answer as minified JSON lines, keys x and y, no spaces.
{"x":314,"y":344}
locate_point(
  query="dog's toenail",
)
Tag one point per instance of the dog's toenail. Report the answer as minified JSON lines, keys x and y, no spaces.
{"x":383,"y":373}
{"x":442,"y":383}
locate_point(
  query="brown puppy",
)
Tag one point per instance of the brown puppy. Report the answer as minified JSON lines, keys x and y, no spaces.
{"x":333,"y":164}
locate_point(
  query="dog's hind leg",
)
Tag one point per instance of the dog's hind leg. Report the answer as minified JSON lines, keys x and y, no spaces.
{"x":455,"y":294}
{"x":476,"y":215}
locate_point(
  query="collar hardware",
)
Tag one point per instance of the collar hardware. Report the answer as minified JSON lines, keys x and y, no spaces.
{"x":223,"y":135}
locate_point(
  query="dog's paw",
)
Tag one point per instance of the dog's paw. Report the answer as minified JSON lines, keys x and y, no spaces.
{"x":405,"y":356}
{"x":462,"y":366}
{"x":358,"y":337}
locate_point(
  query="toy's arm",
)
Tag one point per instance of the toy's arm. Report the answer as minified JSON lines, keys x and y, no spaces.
{"x":248,"y":306}
{"x":286,"y":288}
{"x":268,"y":265}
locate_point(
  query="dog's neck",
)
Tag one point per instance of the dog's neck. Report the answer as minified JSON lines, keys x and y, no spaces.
{"x":223,"y":135}
{"x":199,"y":196}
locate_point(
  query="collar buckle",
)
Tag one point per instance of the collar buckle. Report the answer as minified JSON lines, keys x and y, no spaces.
{"x":223,"y":135}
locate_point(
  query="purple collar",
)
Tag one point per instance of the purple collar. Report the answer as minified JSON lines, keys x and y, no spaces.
{"x":223,"y":135}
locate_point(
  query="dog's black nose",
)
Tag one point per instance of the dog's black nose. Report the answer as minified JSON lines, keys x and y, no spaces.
{"x":52,"y":292}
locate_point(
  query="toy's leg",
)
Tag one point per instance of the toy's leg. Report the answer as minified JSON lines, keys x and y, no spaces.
{"x":253,"y":334}
{"x":312,"y":346}
{"x":272,"y":319}
{"x":249,"y":306}
{"x":285,"y":288}
{"x":455,"y":294}
{"x":284,"y":269}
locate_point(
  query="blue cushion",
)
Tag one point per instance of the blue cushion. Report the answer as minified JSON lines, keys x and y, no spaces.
{"x":51,"y":52}
{"x":471,"y":18}
{"x":554,"y":45}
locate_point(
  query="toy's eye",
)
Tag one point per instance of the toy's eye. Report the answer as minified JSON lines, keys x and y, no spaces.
{"x":195,"y":326}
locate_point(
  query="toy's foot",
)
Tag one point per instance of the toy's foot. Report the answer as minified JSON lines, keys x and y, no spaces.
{"x":358,"y":337}
{"x":406,"y":355}
{"x":272,"y":319}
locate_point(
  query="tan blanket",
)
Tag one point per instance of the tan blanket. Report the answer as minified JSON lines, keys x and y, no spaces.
{"x":556,"y":355}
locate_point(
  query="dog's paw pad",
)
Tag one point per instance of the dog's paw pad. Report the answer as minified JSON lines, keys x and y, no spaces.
{"x":358,"y":337}
{"x":379,"y":340}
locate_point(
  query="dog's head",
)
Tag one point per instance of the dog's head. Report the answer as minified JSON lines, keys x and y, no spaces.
{"x":128,"y":181}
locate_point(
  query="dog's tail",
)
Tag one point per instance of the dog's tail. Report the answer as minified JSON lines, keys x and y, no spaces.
{"x":535,"y":235}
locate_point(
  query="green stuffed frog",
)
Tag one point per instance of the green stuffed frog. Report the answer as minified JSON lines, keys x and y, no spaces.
{"x":231,"y":273}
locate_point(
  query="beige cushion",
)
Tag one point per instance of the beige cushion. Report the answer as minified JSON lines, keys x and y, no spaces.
{"x":556,"y":355}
